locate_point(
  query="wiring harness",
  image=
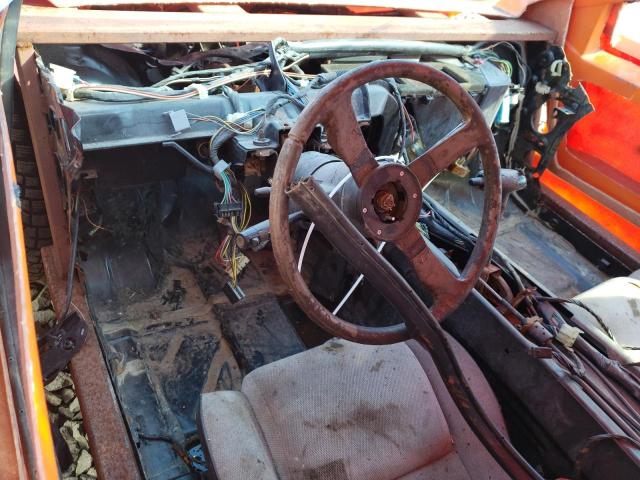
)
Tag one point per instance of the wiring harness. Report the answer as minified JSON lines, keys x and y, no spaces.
{"x":228,"y":255}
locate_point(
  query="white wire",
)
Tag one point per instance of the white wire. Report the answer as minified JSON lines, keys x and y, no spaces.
{"x":305,"y":243}
{"x":354,"y":286}
{"x":313,"y":225}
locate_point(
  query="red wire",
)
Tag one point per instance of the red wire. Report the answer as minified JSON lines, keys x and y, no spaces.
{"x":408,"y":117}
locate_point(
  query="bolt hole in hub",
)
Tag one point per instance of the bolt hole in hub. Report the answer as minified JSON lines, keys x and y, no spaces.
{"x":390,"y":201}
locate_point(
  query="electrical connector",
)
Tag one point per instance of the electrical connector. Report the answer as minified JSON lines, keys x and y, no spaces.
{"x":227,"y":210}
{"x":235,"y":116}
{"x":233,"y":292}
{"x":179,"y":120}
{"x":220,"y":167}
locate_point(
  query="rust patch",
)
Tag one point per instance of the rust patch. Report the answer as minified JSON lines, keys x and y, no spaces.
{"x":108,"y":438}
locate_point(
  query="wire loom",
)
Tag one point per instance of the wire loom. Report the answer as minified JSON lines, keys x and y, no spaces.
{"x":227,"y":253}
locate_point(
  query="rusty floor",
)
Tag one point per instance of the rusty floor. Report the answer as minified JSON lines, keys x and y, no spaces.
{"x":167,"y":337}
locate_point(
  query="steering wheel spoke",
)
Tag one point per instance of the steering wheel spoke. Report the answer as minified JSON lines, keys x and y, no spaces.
{"x":345,"y":137}
{"x":431,"y":266}
{"x":458,"y":142}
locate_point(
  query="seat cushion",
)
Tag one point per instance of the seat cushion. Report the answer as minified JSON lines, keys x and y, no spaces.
{"x":617,"y":303}
{"x":344,"y":411}
{"x":449,"y":467}
{"x":348,"y":411}
{"x":470,"y":450}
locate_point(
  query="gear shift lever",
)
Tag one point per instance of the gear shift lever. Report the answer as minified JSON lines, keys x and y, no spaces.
{"x":512,"y":181}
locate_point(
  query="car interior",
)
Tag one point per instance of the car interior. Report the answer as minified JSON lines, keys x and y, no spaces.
{"x":326,"y":260}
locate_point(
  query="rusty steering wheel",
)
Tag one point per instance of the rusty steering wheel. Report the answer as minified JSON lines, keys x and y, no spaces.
{"x":390,"y":196}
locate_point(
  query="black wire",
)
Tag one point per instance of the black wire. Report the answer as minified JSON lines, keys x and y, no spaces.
{"x":75,"y":226}
{"x":578,"y":303}
{"x":216,"y":144}
{"x":178,"y":449}
{"x":402,"y":132}
{"x":442,"y":229}
{"x":225,"y":135}
{"x":524,"y":70}
{"x":468,"y":240}
{"x":272,"y":105}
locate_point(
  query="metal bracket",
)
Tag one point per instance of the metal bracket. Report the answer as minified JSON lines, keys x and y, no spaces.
{"x":59,"y":344}
{"x":550,"y":82}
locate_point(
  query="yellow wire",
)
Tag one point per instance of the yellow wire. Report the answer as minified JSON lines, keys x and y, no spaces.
{"x":231,"y":259}
{"x":86,"y":214}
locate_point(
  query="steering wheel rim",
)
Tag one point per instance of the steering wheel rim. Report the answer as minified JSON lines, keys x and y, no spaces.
{"x":345,"y":137}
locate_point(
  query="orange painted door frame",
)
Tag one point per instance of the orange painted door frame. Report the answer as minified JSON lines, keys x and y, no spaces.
{"x":597,"y":167}
{"x":26,"y":445}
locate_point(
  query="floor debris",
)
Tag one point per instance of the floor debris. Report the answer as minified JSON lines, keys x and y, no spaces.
{"x":64,"y":407}
{"x":84,"y":462}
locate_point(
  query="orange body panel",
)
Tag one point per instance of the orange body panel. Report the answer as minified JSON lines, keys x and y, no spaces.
{"x":611,"y":134}
{"x":40,"y":449}
{"x":617,"y":225}
{"x":11,"y":458}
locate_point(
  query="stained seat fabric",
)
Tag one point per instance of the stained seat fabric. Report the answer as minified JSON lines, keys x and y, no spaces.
{"x":344,"y":411}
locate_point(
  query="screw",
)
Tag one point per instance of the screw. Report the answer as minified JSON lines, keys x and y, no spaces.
{"x":402,"y":174}
{"x":415,"y":195}
{"x":364,"y":210}
{"x":261,"y":139}
{"x":379,"y":232}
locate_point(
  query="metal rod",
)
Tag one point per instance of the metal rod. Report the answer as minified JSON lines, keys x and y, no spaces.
{"x":258,"y":233}
{"x":317,"y":48}
{"x":192,"y":160}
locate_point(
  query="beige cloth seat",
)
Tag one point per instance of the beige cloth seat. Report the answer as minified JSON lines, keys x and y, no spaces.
{"x":617,"y":303}
{"x":344,"y":411}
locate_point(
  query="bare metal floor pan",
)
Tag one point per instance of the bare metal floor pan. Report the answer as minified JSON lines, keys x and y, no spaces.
{"x":162,"y":336}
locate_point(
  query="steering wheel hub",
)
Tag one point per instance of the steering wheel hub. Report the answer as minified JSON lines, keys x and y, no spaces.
{"x":390,"y":201}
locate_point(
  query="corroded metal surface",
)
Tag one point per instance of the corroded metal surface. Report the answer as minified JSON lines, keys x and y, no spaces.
{"x":110,"y":445}
{"x":36,"y":109}
{"x":448,"y":289}
{"x":395,"y":181}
